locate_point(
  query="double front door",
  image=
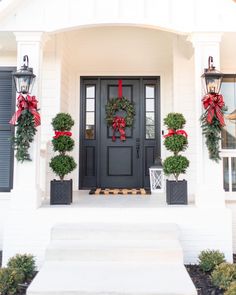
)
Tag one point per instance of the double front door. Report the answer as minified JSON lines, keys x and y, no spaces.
{"x":108,"y":163}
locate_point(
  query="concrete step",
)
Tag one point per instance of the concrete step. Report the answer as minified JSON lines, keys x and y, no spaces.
{"x":162,"y":251}
{"x":115,"y":231}
{"x":111,"y":278}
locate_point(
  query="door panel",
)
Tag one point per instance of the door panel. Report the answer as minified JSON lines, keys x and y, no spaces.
{"x":118,"y":164}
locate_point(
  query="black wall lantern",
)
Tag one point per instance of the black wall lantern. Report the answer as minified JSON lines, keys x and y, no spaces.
{"x":212,"y":78}
{"x":24,"y":78}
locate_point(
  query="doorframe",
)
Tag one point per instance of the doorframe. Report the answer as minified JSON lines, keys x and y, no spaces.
{"x":97,"y":116}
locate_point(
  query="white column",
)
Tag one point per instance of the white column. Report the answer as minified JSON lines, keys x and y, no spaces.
{"x":25,"y":193}
{"x":209,"y":193}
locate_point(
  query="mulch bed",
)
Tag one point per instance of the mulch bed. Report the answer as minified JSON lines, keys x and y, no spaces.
{"x":201,"y":281}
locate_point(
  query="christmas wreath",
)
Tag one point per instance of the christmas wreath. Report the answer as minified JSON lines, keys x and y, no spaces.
{"x":119,"y":123}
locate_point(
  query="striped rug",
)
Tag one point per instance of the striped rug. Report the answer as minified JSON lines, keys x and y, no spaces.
{"x":117,"y":191}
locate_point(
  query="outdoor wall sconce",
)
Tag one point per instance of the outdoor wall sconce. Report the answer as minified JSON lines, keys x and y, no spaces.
{"x":212,"y":78}
{"x":24,"y":78}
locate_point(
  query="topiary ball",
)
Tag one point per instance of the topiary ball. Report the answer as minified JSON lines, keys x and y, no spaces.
{"x":176,"y":143}
{"x":175,"y":165}
{"x":174,"y":121}
{"x":62,"y":165}
{"x":62,"y":122}
{"x":63,"y":144}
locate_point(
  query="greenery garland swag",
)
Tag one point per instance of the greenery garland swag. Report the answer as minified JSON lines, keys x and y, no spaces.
{"x":212,"y":121}
{"x":119,"y":123}
{"x":26,"y":119}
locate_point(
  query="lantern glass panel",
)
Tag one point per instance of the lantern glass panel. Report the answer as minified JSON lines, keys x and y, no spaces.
{"x":213,"y":84}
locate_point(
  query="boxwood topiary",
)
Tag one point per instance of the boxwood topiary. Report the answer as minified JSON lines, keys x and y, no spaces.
{"x":175,"y":165}
{"x":223,"y":275}
{"x":62,"y":164}
{"x":63,"y":143}
{"x":176,"y":141}
{"x":209,"y":259}
{"x":62,"y":122}
{"x":174,"y":121}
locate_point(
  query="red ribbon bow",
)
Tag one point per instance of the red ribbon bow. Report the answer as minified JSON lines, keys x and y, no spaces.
{"x":213,"y":104}
{"x":26,"y":103}
{"x":62,"y":133}
{"x":172,"y":132}
{"x":119,"y":125}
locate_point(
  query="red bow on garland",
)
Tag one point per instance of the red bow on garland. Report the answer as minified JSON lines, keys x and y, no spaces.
{"x":213,"y":104}
{"x":172,"y":132}
{"x":119,"y":125}
{"x":62,"y":133}
{"x":26,"y":103}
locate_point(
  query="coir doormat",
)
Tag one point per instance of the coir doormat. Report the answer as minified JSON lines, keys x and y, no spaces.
{"x":116,"y":191}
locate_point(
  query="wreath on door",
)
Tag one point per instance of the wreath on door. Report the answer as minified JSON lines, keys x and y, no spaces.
{"x":119,"y":123}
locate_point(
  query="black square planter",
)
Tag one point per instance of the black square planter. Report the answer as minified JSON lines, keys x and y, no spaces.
{"x":61,"y":192}
{"x":176,"y":192}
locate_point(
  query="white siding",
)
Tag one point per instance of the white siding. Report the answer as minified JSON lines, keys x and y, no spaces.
{"x":232,"y":206}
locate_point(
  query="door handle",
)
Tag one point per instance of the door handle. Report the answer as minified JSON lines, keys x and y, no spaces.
{"x":137,"y":152}
{"x":137,"y":147}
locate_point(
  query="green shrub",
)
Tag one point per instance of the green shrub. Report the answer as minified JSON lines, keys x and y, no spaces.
{"x":62,"y":165}
{"x":231,"y":290}
{"x":209,"y":259}
{"x":176,"y":143}
{"x":25,"y":263}
{"x":62,"y":122}
{"x":223,"y":275}
{"x":174,"y":121}
{"x":63,"y":143}
{"x":175,"y":165}
{"x":10,"y":279}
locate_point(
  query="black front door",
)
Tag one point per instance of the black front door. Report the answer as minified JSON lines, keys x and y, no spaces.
{"x":118,"y":164}
{"x":121,"y":160}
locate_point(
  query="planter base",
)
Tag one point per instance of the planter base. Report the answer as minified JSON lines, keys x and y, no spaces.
{"x":176,"y":192}
{"x":61,"y":192}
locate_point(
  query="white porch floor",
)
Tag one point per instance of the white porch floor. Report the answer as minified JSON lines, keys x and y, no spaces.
{"x":82,"y":199}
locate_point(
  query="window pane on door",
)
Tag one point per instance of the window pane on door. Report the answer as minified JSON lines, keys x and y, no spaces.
{"x":229,"y":131}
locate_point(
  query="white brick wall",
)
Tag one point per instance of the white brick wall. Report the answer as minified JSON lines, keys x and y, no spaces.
{"x":200,"y":229}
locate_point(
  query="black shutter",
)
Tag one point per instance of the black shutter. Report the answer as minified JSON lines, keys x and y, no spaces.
{"x":7,"y":108}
